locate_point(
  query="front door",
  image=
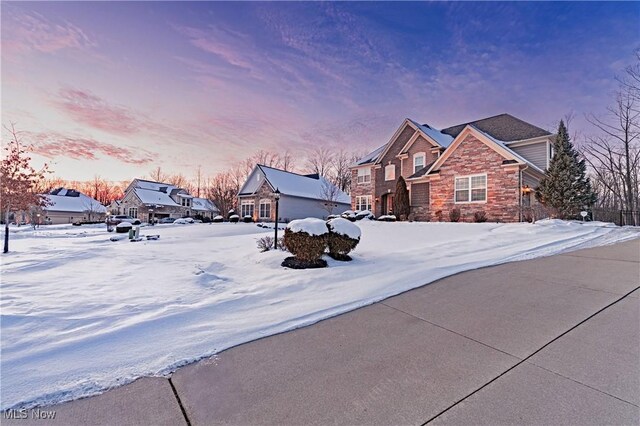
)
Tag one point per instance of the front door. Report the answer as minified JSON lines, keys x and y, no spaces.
{"x":386,"y":204}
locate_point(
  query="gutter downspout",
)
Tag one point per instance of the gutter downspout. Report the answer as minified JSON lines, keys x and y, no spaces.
{"x":526,"y":166}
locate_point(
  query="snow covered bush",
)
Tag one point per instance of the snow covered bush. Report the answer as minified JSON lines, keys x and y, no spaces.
{"x":387,"y":218}
{"x":349,"y":215}
{"x":332,"y":216}
{"x":123,"y":227}
{"x":234,"y":218}
{"x":218,"y":219}
{"x":480,"y":216}
{"x":454,"y":215}
{"x":181,"y":221}
{"x":343,"y":237}
{"x":247,"y":219}
{"x":364,"y":214}
{"x":306,"y":239}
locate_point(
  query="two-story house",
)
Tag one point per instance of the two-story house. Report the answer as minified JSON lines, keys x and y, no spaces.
{"x":491,"y":165}
{"x":144,"y":199}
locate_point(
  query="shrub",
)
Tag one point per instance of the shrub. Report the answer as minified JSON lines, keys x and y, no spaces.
{"x":387,"y":218}
{"x":439,"y":215}
{"x":332,"y":216}
{"x":247,"y":219}
{"x":234,"y":218}
{"x":364,"y":214}
{"x":343,"y":237}
{"x":123,"y":227}
{"x":218,"y":219}
{"x":480,"y":216}
{"x":306,"y":239}
{"x":265,"y":243}
{"x":349,"y":215}
{"x":454,"y":215}
{"x":206,"y":219}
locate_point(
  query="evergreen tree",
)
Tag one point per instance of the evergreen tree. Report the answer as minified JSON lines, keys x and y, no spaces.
{"x":401,"y":200}
{"x":565,"y":189}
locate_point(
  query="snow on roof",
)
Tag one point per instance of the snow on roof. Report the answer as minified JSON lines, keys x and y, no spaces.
{"x":370,"y":157}
{"x":150,"y":196}
{"x":64,"y":202}
{"x":512,"y":152}
{"x":154,"y":186}
{"x":310,"y":225}
{"x":442,"y":139}
{"x":299,"y":185}
{"x":202,"y":204}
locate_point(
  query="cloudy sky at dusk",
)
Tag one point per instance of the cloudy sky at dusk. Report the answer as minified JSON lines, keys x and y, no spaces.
{"x":117,"y":89}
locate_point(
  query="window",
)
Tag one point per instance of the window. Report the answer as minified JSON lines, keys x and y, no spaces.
{"x":418,"y":161}
{"x":133,"y":212}
{"x":471,"y":189}
{"x":265,"y":209}
{"x":186,"y":202}
{"x":390,"y":172}
{"x":364,"y":175}
{"x":246,"y":208}
{"x":363,"y":202}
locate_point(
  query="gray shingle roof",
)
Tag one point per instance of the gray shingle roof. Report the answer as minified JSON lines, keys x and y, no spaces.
{"x":504,"y":127}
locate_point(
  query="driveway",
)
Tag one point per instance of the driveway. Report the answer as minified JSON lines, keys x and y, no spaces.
{"x":553,"y":340}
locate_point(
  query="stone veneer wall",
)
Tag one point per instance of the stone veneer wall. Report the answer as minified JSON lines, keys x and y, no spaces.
{"x":503,"y":186}
{"x":264,"y":192}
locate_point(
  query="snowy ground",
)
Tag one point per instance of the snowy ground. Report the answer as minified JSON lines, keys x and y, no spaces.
{"x":81,"y":314}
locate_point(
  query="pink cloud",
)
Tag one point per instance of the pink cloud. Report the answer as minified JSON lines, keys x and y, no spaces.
{"x":26,"y":32}
{"x":54,"y":144}
{"x":89,"y":109}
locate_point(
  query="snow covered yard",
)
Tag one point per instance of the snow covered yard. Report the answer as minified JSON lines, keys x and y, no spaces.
{"x":81,"y":314}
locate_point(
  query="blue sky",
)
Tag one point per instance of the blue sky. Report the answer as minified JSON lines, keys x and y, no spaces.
{"x":119,"y":88}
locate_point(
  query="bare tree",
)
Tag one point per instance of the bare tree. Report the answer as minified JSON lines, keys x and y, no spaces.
{"x":18,"y":181}
{"x":222,"y":191}
{"x":340,"y":173}
{"x":158,"y":175}
{"x":198,"y":181}
{"x":614,"y":154}
{"x":319,"y":161}
{"x":329,"y":194}
{"x":92,"y":208}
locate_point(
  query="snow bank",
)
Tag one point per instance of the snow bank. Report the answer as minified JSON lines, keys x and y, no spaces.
{"x":81,"y":314}
{"x":310,"y":225}
{"x":344,"y":227}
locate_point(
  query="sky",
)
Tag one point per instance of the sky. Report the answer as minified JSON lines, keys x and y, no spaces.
{"x":117,"y":89}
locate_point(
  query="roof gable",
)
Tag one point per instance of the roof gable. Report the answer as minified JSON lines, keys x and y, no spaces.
{"x":503,"y":127}
{"x":292,"y":184}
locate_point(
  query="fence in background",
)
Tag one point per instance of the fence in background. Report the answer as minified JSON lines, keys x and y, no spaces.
{"x":619,"y":217}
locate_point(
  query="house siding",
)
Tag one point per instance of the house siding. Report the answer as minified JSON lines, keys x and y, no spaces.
{"x":299,"y":208}
{"x":420,"y":201}
{"x":536,"y":153}
{"x":472,"y":157}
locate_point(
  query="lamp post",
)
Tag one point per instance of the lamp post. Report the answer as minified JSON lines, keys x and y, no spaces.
{"x":277,"y":198}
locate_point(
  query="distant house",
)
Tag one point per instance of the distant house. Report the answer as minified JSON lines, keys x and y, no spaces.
{"x":69,"y":206}
{"x":300,"y":195}
{"x":491,"y":165}
{"x":144,"y":199}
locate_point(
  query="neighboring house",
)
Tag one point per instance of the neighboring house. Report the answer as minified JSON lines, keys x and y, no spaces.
{"x":301,"y":196}
{"x":144,"y":199}
{"x":492,"y":164}
{"x":69,"y":206}
{"x":115,"y":207}
{"x":203,"y":207}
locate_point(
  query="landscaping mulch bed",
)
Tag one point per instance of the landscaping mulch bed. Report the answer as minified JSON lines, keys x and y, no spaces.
{"x":295,"y":263}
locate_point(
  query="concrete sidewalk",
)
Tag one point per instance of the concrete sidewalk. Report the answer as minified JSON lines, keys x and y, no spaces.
{"x":553,"y":340}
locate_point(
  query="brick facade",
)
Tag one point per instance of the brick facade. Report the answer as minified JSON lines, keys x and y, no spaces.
{"x":503,"y":183}
{"x":418,"y":146}
{"x":360,"y":189}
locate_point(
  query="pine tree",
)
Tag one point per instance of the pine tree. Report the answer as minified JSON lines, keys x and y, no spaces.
{"x":401,"y":200}
{"x":565,"y":188}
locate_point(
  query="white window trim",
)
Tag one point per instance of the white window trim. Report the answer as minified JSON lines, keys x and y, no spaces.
{"x":387,"y":167}
{"x":368,"y":204}
{"x":364,"y":175}
{"x":417,"y":155}
{"x":264,"y":201}
{"x":468,"y":177}
{"x":247,"y":203}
